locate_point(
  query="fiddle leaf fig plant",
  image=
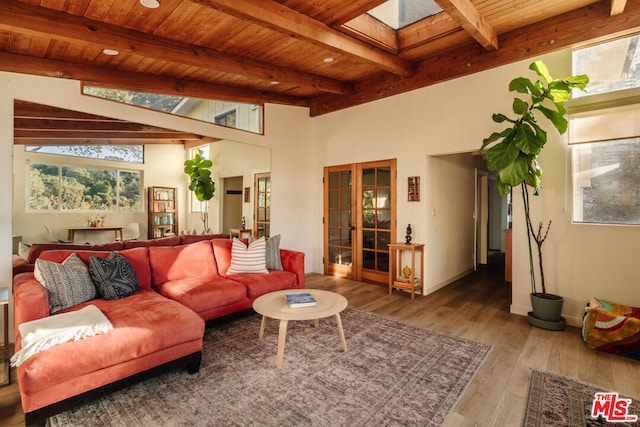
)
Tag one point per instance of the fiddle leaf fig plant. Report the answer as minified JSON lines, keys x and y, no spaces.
{"x":199,"y":171}
{"x":514,"y":151}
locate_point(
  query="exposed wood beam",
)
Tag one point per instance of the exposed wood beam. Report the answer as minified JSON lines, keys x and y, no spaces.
{"x":30,"y":110}
{"x":49,"y":125}
{"x":542,"y":37}
{"x":142,"y":82}
{"x":472,"y":21}
{"x":71,"y":134}
{"x":280,"y":18}
{"x":617,"y":6}
{"x":426,"y":30}
{"x":370,"y":30}
{"x":99,"y":141}
{"x":40,"y":21}
{"x":359,"y":9}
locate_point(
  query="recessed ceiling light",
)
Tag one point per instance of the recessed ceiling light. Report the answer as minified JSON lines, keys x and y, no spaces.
{"x":275,"y":82}
{"x":328,"y":59}
{"x":151,"y":4}
{"x":110,"y":52}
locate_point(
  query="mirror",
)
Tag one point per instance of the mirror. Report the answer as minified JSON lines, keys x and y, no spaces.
{"x":37,"y":124}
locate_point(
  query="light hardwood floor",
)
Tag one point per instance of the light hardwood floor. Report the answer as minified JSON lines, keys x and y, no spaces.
{"x":477,"y":307}
{"x":474,"y":307}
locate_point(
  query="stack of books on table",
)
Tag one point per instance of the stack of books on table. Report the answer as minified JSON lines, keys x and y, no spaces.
{"x":300,"y":299}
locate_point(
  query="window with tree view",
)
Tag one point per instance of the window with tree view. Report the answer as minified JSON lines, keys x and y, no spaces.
{"x":73,"y":188}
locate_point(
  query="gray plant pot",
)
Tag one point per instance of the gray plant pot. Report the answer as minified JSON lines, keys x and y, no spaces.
{"x":547,"y":311}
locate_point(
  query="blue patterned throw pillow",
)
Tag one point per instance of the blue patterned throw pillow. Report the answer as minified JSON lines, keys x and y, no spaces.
{"x":114,"y":276}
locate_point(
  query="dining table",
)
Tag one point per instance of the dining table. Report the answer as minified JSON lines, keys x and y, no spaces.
{"x":71,"y":231}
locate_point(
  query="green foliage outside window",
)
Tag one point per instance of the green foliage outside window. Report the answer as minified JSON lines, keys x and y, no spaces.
{"x":74,"y":188}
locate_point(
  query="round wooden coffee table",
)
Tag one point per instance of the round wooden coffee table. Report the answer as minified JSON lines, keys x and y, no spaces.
{"x":275,"y":306}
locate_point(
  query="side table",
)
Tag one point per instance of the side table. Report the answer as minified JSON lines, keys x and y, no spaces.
{"x":396,"y":277}
{"x":4,"y":301}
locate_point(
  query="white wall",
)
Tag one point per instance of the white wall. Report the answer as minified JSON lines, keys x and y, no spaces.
{"x":581,"y":261}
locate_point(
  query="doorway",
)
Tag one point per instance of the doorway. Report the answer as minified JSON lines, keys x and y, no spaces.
{"x":231,"y":203}
{"x":359,"y":220}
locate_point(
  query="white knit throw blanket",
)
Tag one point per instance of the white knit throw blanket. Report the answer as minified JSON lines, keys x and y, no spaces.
{"x":41,"y":334}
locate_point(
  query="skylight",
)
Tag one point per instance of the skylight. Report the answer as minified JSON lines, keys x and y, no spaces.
{"x":398,"y":14}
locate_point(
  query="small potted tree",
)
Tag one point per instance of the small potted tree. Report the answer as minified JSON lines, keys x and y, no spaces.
{"x":199,"y":171}
{"x":514,"y":157}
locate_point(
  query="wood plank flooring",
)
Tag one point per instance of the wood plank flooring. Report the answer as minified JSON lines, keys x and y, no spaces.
{"x":474,"y":307}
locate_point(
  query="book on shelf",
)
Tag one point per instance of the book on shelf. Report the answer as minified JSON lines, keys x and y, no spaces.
{"x":300,"y":299}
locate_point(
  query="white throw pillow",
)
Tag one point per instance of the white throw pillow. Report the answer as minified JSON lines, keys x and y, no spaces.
{"x":23,"y":251}
{"x":248,"y":259}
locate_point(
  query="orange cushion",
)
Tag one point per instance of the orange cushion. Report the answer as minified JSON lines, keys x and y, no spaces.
{"x":181,"y":262}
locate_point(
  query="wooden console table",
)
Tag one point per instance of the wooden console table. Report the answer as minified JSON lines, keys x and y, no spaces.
{"x":396,"y":277}
{"x":72,"y":231}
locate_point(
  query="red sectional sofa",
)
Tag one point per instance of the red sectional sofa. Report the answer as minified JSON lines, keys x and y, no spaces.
{"x":21,"y":265}
{"x":158,"y":327}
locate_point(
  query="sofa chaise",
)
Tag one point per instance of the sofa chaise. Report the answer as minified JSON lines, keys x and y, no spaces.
{"x":159,"y":327}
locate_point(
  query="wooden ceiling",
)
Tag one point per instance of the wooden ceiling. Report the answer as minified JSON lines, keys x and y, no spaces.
{"x":274,"y":50}
{"x":36,"y":124}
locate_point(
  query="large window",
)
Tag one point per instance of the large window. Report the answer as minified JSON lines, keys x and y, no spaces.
{"x":606,"y":182}
{"x":231,"y":114}
{"x":73,"y":188}
{"x":611,"y":66}
{"x":605,"y":141}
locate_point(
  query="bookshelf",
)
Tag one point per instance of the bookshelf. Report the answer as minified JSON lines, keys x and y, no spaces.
{"x":163,"y":212}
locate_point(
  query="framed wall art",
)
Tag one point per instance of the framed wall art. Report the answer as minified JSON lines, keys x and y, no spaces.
{"x":413,"y":188}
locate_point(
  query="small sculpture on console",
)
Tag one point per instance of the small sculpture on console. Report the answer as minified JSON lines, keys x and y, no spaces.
{"x":244,"y":223}
{"x":408,"y":236}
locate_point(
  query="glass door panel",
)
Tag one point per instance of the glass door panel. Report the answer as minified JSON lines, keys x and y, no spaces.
{"x":262,"y":205}
{"x":359,"y":218}
{"x":338,"y":221}
{"x":377,"y":203}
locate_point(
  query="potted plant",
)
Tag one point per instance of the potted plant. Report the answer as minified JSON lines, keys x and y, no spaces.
{"x":199,"y":171}
{"x":514,"y":157}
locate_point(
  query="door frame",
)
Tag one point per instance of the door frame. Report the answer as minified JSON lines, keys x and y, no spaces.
{"x":356,"y":271}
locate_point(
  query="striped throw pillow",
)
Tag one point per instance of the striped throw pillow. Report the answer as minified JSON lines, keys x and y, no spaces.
{"x":248,"y":259}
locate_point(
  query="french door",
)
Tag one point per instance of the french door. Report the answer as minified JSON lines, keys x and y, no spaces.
{"x":262,"y":205}
{"x":359,"y":220}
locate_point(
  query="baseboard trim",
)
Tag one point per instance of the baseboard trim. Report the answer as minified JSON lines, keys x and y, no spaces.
{"x":431,"y":289}
{"x":524,"y":311}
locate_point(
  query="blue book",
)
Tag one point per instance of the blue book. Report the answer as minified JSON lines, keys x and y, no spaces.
{"x":300,"y":299}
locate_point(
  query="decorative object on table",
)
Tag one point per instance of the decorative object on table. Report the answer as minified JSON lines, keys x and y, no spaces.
{"x":514,"y":157}
{"x":406,"y":272}
{"x":407,"y":238}
{"x":96,"y":220}
{"x":557,"y":401}
{"x":413,"y":189}
{"x":235,"y":361}
{"x":300,"y":299}
{"x":244,"y":223}
{"x":397,"y":279}
{"x":199,"y":171}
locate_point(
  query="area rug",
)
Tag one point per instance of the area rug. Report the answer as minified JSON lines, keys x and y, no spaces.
{"x":554,"y":400}
{"x":392,"y":374}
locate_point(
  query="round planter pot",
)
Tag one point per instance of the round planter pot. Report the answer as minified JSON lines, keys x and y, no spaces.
{"x":547,"y":307}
